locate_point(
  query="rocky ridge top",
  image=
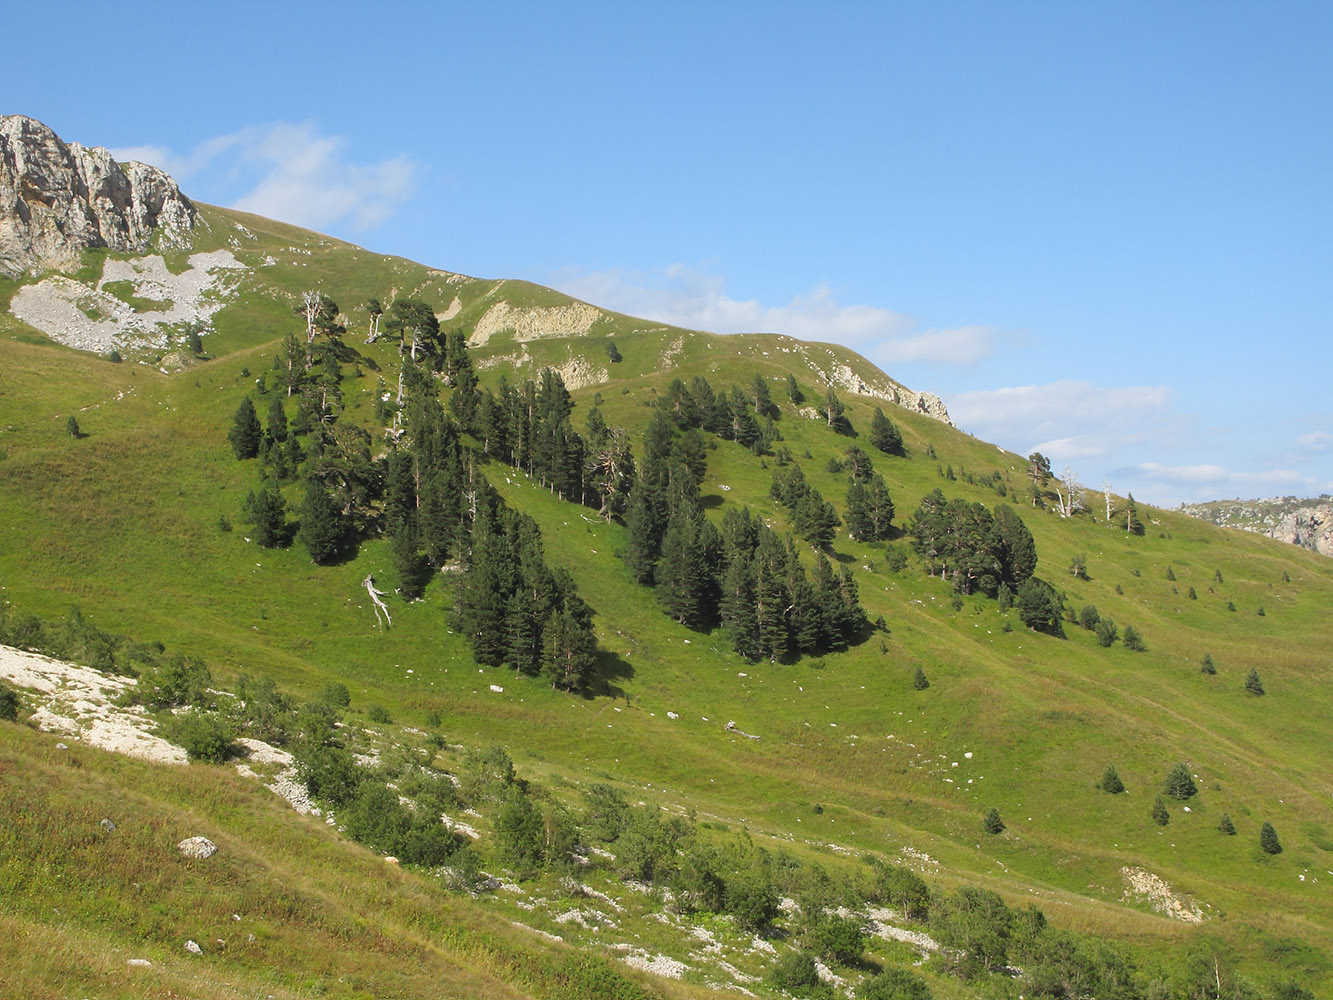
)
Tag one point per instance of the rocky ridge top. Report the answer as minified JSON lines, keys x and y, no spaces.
{"x":57,"y":199}
{"x":1307,"y":523}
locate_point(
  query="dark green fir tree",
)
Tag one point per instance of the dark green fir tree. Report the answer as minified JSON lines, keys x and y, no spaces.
{"x":245,"y":430}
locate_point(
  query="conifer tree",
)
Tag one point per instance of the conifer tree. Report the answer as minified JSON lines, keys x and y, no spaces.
{"x":760,"y":396}
{"x":1111,"y":782}
{"x":245,"y":430}
{"x":1268,"y":841}
{"x":1018,"y":554}
{"x":794,"y":392}
{"x":1179,"y":783}
{"x":269,"y":514}
{"x":569,"y":656}
{"x":1252,"y":682}
{"x":884,"y":435}
{"x":991,"y":822}
{"x":835,"y":413}
{"x":919,"y":680}
{"x":277,"y":420}
{"x":738,"y":605}
{"x":1132,"y":523}
{"x":1207,"y":665}
{"x":408,"y":564}
{"x":72,"y":429}
{"x":322,"y":528}
{"x":1159,"y":814}
{"x":1226,"y":826}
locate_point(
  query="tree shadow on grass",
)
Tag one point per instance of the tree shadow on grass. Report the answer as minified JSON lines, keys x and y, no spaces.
{"x":611,"y":667}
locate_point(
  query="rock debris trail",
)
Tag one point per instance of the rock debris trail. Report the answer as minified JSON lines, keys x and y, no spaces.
{"x":92,"y":319}
{"x":81,"y":703}
{"x":78,"y":702}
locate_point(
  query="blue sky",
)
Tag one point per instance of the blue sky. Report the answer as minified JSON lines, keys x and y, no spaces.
{"x":1103,"y":231}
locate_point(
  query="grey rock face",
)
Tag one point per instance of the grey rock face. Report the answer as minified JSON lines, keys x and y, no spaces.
{"x":57,"y":199}
{"x":1310,"y":527}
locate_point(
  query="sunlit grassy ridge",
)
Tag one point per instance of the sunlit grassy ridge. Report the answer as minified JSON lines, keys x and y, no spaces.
{"x":124,"y":523}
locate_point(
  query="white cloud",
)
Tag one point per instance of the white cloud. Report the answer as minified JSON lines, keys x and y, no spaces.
{"x":958,"y":345}
{"x":1068,"y":419}
{"x":290,"y":172}
{"x":689,"y":297}
{"x":1316,"y":441}
{"x":685,"y":296}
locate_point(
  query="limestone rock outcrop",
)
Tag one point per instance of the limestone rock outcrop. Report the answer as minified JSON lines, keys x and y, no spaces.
{"x":1310,"y":527}
{"x":57,"y":198}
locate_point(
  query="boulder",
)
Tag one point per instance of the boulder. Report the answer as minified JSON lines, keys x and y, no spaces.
{"x":197,"y":848}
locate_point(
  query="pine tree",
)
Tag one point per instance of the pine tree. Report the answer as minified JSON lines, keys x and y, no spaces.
{"x":1132,"y":640}
{"x":277,"y":420}
{"x":834,"y":413}
{"x":1252,"y":682}
{"x":771,"y":595}
{"x":245,"y":430}
{"x":794,"y":392}
{"x":1111,"y":782}
{"x":991,"y":822}
{"x":1132,"y":523}
{"x":1179,"y":784}
{"x":408,"y":564}
{"x":569,"y":655}
{"x":1268,"y":841}
{"x":1018,"y":555}
{"x":270,"y":518}
{"x":1226,"y":826}
{"x":1159,"y":814}
{"x":884,"y":435}
{"x":738,"y":604}
{"x":1207,"y":665}
{"x":322,"y":528}
{"x":919,"y":680}
{"x":645,"y":519}
{"x":760,"y":396}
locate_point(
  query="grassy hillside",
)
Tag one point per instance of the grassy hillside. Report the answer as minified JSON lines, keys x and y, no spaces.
{"x":124,"y":523}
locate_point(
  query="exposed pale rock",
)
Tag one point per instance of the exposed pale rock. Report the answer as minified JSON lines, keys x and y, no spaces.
{"x":197,"y":848}
{"x":57,"y":199}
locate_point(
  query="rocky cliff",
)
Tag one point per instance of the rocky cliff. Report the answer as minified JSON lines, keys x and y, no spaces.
{"x":57,"y":199}
{"x":1307,"y":523}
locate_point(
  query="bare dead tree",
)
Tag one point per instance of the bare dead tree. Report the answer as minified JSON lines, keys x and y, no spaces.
{"x":380,"y":606}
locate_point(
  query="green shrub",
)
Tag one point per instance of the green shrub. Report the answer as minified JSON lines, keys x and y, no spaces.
{"x":991,"y":822}
{"x":1226,"y":826}
{"x":894,"y":984}
{"x":336,"y":694}
{"x":378,"y":713}
{"x":1132,"y":640}
{"x":794,"y":971}
{"x":9,"y":703}
{"x":1252,"y":682}
{"x":1106,"y":631}
{"x":838,"y":939}
{"x":377,"y":819}
{"x":205,"y":736}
